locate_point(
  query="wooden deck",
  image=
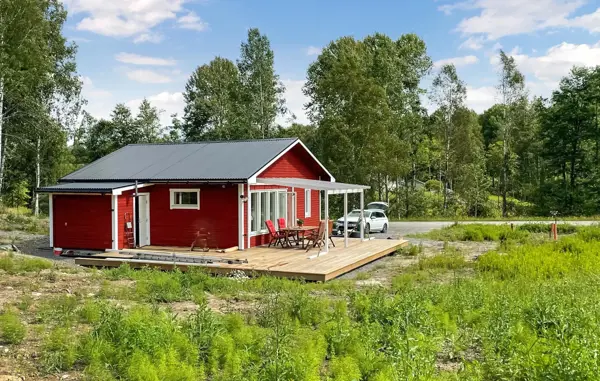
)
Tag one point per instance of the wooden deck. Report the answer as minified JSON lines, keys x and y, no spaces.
{"x":288,"y":263}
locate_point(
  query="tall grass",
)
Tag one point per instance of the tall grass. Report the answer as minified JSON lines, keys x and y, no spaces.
{"x":529,"y":313}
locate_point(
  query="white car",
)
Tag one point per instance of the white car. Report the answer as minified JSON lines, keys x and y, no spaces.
{"x":375,"y":221}
{"x":378,"y":205}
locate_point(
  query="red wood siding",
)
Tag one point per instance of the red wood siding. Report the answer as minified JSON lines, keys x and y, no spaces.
{"x":178,"y":227}
{"x":125,"y":206}
{"x":296,"y":163}
{"x":82,"y":222}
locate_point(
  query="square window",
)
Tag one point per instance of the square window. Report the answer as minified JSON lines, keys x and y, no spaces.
{"x":185,"y":198}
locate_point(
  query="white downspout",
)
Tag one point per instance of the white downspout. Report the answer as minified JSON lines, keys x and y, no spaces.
{"x":362,"y":215}
{"x":51,"y":219}
{"x":115,"y":222}
{"x":241,"y":216}
{"x":346,"y":219}
{"x":326,"y":221}
{"x":249,"y":216}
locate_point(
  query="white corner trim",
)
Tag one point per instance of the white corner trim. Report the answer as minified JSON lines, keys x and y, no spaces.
{"x":51,"y":220}
{"x":172,"y":192}
{"x":252,"y":179}
{"x":119,"y":191}
{"x":241,"y":216}
{"x":249,"y":216}
{"x":115,"y":222}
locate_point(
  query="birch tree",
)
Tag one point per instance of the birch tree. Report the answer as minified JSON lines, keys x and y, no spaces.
{"x":511,"y":90}
{"x":449,"y":94}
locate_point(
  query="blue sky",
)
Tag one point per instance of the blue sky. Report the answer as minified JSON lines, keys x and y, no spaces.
{"x":135,"y":49}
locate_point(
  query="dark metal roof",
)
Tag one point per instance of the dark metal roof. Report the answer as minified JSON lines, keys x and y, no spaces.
{"x":228,"y":161}
{"x":83,"y":187}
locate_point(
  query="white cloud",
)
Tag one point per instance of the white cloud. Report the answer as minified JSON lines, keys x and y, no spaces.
{"x":558,"y":61}
{"x":91,"y":91}
{"x":500,"y":18}
{"x":472,"y":43}
{"x":167,"y":104}
{"x":153,"y":38}
{"x":192,"y":21}
{"x":148,"y":76}
{"x":313,"y":51}
{"x":590,"y":22}
{"x":481,"y":98}
{"x":457,"y":61}
{"x":295,"y":101}
{"x":135,"y":59}
{"x":123,"y":18}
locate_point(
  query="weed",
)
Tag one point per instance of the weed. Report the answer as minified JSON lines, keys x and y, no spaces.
{"x":59,"y":350}
{"x":13,"y":264}
{"x":12,"y":331}
{"x":477,"y":233}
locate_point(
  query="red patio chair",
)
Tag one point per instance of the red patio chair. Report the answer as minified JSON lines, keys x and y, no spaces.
{"x":316,"y":238}
{"x":276,"y":237}
{"x":282,"y":225}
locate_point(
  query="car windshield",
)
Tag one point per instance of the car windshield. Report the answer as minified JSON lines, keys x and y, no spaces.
{"x":356,"y":213}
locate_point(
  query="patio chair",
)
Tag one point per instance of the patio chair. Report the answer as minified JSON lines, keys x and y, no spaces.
{"x":330,"y":231}
{"x":316,"y":238}
{"x":276,"y":236}
{"x":281,"y":224}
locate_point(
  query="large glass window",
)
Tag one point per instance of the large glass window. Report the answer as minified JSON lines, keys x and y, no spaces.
{"x":185,"y":198}
{"x":267,"y":205}
{"x":254,"y":214}
{"x":307,"y":203}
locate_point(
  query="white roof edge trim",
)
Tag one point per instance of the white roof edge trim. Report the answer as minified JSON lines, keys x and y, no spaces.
{"x":252,"y":180}
{"x":119,"y":191}
{"x":330,"y":187}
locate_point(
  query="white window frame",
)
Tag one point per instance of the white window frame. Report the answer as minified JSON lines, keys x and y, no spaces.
{"x":172,"y":192}
{"x":258,"y":206}
{"x":307,"y":203}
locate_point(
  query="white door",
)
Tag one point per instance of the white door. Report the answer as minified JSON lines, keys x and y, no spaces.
{"x":377,"y":221}
{"x":144,"y":216}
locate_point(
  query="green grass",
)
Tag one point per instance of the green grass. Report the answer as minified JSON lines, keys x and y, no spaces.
{"x":493,"y":233}
{"x":15,"y":264}
{"x":22,"y":219}
{"x":12,"y":330}
{"x":530,"y":312}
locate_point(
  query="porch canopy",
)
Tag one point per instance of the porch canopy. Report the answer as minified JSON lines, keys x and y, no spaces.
{"x":328,"y":188}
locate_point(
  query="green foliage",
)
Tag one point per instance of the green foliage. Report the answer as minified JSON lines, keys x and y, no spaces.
{"x":12,"y":330}
{"x":477,"y":233}
{"x":59,"y":350}
{"x":13,"y":264}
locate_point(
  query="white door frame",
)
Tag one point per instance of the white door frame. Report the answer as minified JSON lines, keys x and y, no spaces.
{"x":147,"y":195}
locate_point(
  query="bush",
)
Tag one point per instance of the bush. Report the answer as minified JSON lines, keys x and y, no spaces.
{"x":12,"y":331}
{"x":545,"y":228}
{"x":476,"y":233}
{"x":59,"y":350}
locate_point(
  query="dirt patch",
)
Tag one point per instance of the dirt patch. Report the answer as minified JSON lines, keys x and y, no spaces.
{"x":381,"y":272}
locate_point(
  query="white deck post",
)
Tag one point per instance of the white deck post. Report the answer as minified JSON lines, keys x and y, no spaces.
{"x":115,"y":222}
{"x":51,"y":220}
{"x":362,"y":215}
{"x":249,"y":216}
{"x":346,"y":219}
{"x":326,"y":221}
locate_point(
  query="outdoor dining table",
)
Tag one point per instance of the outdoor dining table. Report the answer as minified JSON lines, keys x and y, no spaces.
{"x":300,"y":232}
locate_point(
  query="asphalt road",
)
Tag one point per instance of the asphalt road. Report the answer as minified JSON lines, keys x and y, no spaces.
{"x":400,"y":229}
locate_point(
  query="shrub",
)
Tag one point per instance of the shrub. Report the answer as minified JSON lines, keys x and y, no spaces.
{"x":545,"y":228}
{"x":12,"y":331}
{"x":59,"y":350}
{"x":476,"y":233}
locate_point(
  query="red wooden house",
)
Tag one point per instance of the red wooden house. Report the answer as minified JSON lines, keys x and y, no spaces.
{"x":225,"y":189}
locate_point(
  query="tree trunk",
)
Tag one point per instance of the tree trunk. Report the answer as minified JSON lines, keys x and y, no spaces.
{"x":36,"y":207}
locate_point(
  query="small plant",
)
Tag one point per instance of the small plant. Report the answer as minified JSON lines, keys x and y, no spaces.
{"x":300,"y":221}
{"x":59,"y":350}
{"x":12,"y":331}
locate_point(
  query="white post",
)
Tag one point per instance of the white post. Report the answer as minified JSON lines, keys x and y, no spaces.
{"x":362,"y":215}
{"x":346,"y":219}
{"x":115,"y":222}
{"x":240,"y":216}
{"x":326,"y":221}
{"x":249,"y":216}
{"x":51,"y":219}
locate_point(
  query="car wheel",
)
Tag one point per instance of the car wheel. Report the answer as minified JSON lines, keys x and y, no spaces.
{"x":367,"y":228}
{"x":384,"y":230}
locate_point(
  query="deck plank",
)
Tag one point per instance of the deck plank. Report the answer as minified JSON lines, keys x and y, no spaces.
{"x":289,"y":263}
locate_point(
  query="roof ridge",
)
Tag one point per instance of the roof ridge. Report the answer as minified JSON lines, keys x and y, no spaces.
{"x":213,"y":142}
